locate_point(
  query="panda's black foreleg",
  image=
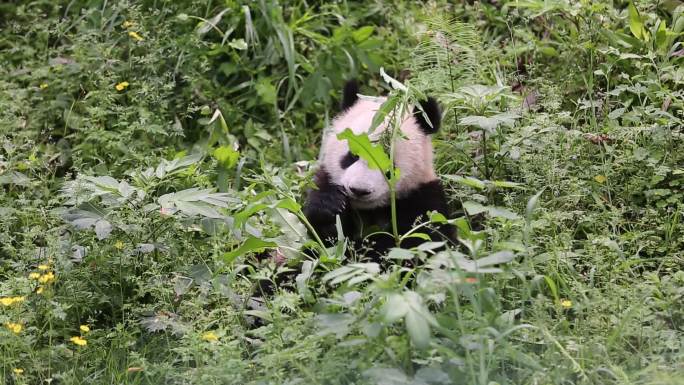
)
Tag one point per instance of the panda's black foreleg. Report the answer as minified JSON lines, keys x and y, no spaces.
{"x":428,"y":197}
{"x":323,"y":205}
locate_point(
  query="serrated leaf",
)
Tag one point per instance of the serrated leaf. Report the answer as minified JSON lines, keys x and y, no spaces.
{"x":239,"y":44}
{"x":361,"y":146}
{"x":226,"y":156}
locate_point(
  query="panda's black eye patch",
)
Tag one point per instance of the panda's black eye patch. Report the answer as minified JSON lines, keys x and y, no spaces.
{"x":348,"y":160}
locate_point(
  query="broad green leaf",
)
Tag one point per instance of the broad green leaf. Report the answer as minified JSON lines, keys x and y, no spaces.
{"x":474,"y":208}
{"x":418,"y":329}
{"x":251,"y":244}
{"x":499,"y":257}
{"x":395,"y":308}
{"x":636,"y":23}
{"x":661,"y":36}
{"x":361,"y":146}
{"x":500,"y":212}
{"x":362,"y":33}
{"x":226,"y":156}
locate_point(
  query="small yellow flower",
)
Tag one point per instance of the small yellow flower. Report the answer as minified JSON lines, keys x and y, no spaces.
{"x":84,"y":328}
{"x":43,"y":86}
{"x":121,"y":86}
{"x":600,"y":178}
{"x":127,"y":24}
{"x":34,"y":275}
{"x":566,"y":303}
{"x":18,"y":371}
{"x":40,"y":290}
{"x":80,"y":341}
{"x":43,"y":267}
{"x":47,"y":277}
{"x":135,"y":36}
{"x":119,"y":245}
{"x":210,"y":336}
{"x":14,"y":327}
{"x":9,"y":301}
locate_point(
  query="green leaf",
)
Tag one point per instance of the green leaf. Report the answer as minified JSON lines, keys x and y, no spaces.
{"x":226,"y":156}
{"x":661,"y":36}
{"x":251,"y":244}
{"x":361,"y":146}
{"x":382,"y":112}
{"x":467,"y":181}
{"x":636,"y":23}
{"x":474,"y":208}
{"x":266,"y":91}
{"x":239,"y":44}
{"x":532,"y":205}
{"x":362,"y":33}
{"x":395,"y":308}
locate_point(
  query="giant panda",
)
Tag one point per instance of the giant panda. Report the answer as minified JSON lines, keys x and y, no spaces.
{"x":346,"y":186}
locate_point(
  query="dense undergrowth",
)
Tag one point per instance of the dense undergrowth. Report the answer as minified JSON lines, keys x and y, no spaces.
{"x":153,"y":155}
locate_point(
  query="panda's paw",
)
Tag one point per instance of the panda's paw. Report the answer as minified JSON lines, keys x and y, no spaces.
{"x":326,"y":206}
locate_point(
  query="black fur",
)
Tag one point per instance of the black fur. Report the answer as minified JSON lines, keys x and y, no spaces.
{"x":348,"y":160}
{"x":349,"y":96}
{"x":323,"y":204}
{"x":434,"y":115}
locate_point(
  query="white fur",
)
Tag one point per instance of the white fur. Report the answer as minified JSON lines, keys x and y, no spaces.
{"x":413,"y":156}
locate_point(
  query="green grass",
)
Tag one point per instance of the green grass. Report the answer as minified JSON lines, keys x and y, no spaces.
{"x":153,"y":204}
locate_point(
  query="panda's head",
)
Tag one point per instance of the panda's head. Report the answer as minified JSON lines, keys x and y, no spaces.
{"x":365,"y":187}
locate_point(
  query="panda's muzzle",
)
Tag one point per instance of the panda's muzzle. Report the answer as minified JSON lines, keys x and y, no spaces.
{"x":358,"y":192}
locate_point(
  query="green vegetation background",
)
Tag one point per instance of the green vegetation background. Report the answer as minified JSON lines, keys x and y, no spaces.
{"x":151,"y":150}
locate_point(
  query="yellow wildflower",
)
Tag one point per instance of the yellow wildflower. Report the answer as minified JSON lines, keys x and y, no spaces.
{"x":135,"y":35}
{"x":600,"y":178}
{"x":119,"y":245}
{"x":40,"y":290}
{"x":9,"y":301}
{"x":566,"y":303}
{"x":47,"y":277}
{"x":43,"y":86}
{"x":14,"y":327}
{"x":210,"y":336}
{"x":34,"y":275}
{"x":84,"y":328}
{"x":80,"y":341}
{"x":18,"y":371}
{"x":121,"y":86}
{"x":43,"y":267}
{"x":127,"y":24}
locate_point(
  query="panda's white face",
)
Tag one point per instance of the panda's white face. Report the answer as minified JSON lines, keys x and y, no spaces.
{"x":367,"y":188}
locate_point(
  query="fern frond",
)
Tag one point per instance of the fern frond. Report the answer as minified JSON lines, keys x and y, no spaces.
{"x":446,"y":58}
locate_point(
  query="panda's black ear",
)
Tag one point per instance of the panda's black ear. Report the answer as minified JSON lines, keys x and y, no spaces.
{"x":349,"y":95}
{"x":434,"y":116}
